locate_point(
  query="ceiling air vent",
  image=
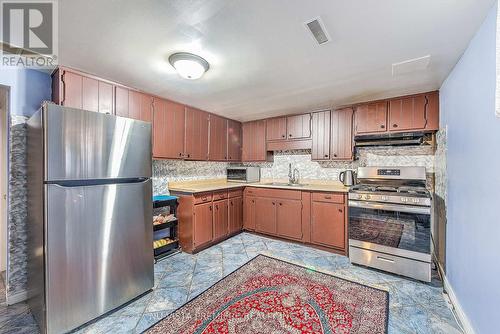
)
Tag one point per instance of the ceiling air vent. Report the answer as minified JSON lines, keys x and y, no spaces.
{"x":411,"y":66}
{"x":318,"y":31}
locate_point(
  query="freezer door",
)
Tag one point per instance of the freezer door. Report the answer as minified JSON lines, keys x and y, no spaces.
{"x":99,"y":242}
{"x":81,"y":145}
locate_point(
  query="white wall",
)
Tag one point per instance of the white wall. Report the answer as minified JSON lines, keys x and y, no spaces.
{"x":473,"y":164}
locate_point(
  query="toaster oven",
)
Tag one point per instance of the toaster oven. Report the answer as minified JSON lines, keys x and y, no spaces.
{"x":243,"y":174}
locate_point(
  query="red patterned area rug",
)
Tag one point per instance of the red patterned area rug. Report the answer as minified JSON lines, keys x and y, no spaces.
{"x":268,"y":296}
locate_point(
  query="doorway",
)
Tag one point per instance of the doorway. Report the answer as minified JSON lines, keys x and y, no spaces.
{"x":4,"y":105}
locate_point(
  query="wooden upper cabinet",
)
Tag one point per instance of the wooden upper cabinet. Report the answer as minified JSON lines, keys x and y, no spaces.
{"x":72,"y":84}
{"x":139,"y":106}
{"x":341,"y":145}
{"x":299,"y":126}
{"x":254,"y":141}
{"x":371,"y":118}
{"x":90,"y":94}
{"x":134,"y":104}
{"x":276,"y":128}
{"x":83,"y":92}
{"x":146,"y":113}
{"x":218,"y":138}
{"x":121,"y":101}
{"x":168,"y":129}
{"x":407,"y":113}
{"x":320,"y":135}
{"x":105,"y":104}
{"x":289,"y":218}
{"x":233,"y":140}
{"x":196,"y":144}
{"x":432,"y":111}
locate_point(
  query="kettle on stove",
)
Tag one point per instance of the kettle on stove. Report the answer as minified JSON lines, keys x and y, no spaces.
{"x":347,"y":177}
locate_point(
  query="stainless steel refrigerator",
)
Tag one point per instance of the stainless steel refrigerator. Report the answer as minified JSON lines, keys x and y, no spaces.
{"x":90,"y":230}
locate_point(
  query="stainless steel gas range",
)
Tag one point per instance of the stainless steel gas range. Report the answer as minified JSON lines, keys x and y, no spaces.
{"x":390,"y":221}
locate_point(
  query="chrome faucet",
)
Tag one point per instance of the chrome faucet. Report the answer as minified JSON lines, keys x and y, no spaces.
{"x":293,"y":177}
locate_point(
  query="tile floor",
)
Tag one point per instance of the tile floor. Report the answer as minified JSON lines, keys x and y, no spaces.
{"x":414,"y":307}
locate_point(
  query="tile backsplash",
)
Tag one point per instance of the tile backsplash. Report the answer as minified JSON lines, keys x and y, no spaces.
{"x":165,"y":171}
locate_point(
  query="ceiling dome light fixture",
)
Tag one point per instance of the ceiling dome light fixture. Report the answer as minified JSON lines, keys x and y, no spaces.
{"x":188,"y":65}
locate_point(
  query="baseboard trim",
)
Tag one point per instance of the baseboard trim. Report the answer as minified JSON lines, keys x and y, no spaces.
{"x":457,"y":308}
{"x":16,"y":298}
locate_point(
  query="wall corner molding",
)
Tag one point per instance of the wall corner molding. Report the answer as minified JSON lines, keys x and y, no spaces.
{"x":457,"y":308}
{"x":17,"y":298}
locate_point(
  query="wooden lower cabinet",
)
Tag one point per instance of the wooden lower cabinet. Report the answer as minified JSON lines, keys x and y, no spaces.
{"x":220,"y":220}
{"x":249,"y":213}
{"x":316,"y":218}
{"x":235,"y":214}
{"x":265,"y":215}
{"x":328,"y":224}
{"x":203,"y":224}
{"x":289,"y":219}
{"x":208,"y":218}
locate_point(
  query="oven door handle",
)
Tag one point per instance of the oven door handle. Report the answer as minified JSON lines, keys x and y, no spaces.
{"x":423,"y":210}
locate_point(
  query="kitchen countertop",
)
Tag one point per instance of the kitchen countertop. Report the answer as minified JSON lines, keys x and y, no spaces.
{"x":192,"y":187}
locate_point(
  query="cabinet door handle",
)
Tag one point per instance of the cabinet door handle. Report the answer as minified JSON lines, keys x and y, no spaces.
{"x":216,"y":207}
{"x":326,"y":155}
{"x":274,"y":203}
{"x":290,"y":135}
{"x":210,"y":208}
{"x":283,"y":136}
{"x":328,"y":197}
{"x":180,"y":154}
{"x":335,"y":155}
{"x":231,"y":203}
{"x":340,"y":210}
{"x":382,"y":126}
{"x":281,"y":204}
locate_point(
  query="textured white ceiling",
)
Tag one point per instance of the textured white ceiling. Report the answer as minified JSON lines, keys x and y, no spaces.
{"x":263,"y":61}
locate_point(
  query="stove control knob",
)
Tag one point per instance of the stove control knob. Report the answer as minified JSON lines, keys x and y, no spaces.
{"x":404,"y":199}
{"x":416,"y":200}
{"x":360,"y":196}
{"x":384,"y":198}
{"x":368,"y":197}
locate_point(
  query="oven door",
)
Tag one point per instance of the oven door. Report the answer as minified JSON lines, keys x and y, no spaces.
{"x":402,"y":230}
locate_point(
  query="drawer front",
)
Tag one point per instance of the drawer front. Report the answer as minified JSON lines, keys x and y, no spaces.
{"x":328,"y":197}
{"x":274,"y":193}
{"x":218,"y":195}
{"x":235,"y":193}
{"x":202,"y":198}
{"x":394,"y":264}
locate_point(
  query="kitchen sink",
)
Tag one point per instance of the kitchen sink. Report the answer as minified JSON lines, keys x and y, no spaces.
{"x":284,"y":184}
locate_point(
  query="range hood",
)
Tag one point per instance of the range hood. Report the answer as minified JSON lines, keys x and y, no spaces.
{"x":392,"y":139}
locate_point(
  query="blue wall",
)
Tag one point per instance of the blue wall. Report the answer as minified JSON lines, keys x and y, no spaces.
{"x":473,"y":167}
{"x":28,"y":88}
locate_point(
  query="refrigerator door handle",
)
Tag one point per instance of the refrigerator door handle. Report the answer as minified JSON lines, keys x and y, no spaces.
{"x":83,"y":183}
